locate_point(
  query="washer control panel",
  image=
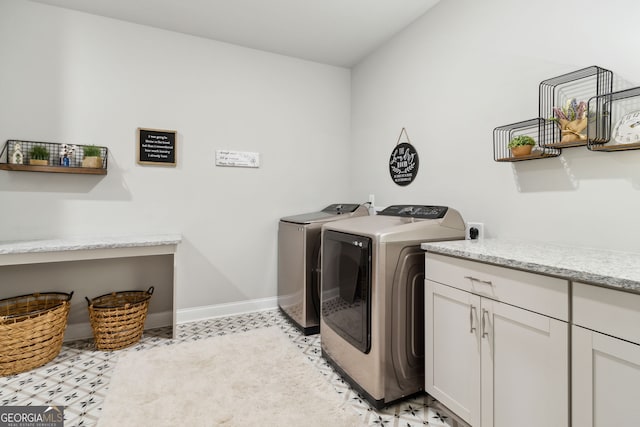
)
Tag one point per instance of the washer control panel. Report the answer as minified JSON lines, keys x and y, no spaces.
{"x":415,"y":211}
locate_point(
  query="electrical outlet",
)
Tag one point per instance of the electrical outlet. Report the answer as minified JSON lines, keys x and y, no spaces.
{"x":372,"y":204}
{"x":474,"y":231}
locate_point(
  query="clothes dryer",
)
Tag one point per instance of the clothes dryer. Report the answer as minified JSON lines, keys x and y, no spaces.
{"x":299,"y":262}
{"x":372,"y":299}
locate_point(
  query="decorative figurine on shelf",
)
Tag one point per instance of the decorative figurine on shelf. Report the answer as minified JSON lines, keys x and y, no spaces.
{"x":572,"y":119}
{"x":16,"y":157}
{"x":66,"y":154}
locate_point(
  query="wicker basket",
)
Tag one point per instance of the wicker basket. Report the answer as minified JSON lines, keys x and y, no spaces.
{"x":31,"y":330}
{"x":117,"y":319}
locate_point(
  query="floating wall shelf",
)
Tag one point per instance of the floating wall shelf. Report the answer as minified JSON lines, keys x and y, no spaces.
{"x":556,"y":92}
{"x":593,"y":84}
{"x":604,"y":134}
{"x":54,"y":169}
{"x":19,"y":156}
{"x":533,"y":128}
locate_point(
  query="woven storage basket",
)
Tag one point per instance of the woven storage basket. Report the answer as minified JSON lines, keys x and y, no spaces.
{"x":31,"y":330}
{"x":117,"y":319}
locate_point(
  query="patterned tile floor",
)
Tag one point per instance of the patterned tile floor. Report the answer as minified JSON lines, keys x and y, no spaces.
{"x":79,"y":377}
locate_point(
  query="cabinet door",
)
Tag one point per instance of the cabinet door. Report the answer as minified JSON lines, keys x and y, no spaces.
{"x":525,"y":368}
{"x":452,"y":349}
{"x":606,"y":380}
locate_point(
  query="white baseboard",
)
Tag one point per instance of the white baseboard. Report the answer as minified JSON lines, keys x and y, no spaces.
{"x":79,"y":331}
{"x":186,"y":315}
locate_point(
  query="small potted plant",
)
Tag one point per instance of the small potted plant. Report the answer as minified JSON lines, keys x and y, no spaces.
{"x":39,"y":155}
{"x":92,"y":156}
{"x":521,"y":145}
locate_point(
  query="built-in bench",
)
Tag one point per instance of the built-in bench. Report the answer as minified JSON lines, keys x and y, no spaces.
{"x":93,"y":266}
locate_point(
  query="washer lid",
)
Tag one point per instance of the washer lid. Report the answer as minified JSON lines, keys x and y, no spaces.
{"x":331,"y":212}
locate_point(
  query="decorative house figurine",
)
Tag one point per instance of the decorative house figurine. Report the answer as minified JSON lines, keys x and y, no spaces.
{"x":66,"y":154}
{"x":16,"y":157}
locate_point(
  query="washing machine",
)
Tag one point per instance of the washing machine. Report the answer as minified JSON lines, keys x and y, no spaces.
{"x":299,"y":262}
{"x":372,"y":297}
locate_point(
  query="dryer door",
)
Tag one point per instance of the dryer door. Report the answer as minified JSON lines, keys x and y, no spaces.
{"x":346,"y":287}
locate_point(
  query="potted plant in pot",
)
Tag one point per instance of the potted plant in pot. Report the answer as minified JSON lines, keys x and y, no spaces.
{"x":521,"y":145}
{"x":39,"y":155}
{"x":92,"y":156}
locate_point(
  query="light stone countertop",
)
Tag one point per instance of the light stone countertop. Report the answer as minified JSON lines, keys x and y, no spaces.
{"x":87,"y":243}
{"x":619,"y":270}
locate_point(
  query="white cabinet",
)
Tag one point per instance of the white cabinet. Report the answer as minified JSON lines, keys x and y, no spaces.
{"x":452,"y":349}
{"x":605,"y":357}
{"x":525,"y":368}
{"x":492,"y":362}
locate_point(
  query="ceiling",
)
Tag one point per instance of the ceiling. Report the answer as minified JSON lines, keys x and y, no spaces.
{"x":335,"y":32}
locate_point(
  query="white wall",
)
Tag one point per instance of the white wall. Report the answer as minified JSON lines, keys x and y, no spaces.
{"x":467,"y":67}
{"x":454,"y":75}
{"x":81,"y":79}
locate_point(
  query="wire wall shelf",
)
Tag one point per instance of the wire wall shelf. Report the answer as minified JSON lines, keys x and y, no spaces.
{"x":563,"y":99}
{"x":535,"y":128}
{"x":616,"y":124}
{"x":35,"y":156}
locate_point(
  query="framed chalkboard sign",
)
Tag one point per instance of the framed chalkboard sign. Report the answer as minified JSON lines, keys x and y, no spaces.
{"x":156,"y":147}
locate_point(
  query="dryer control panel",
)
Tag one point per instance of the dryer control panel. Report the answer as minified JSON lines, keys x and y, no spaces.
{"x":340,"y":208}
{"x":415,"y":211}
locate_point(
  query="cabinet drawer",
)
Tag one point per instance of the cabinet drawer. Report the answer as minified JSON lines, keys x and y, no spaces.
{"x":542,"y":294}
{"x":609,"y":311}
